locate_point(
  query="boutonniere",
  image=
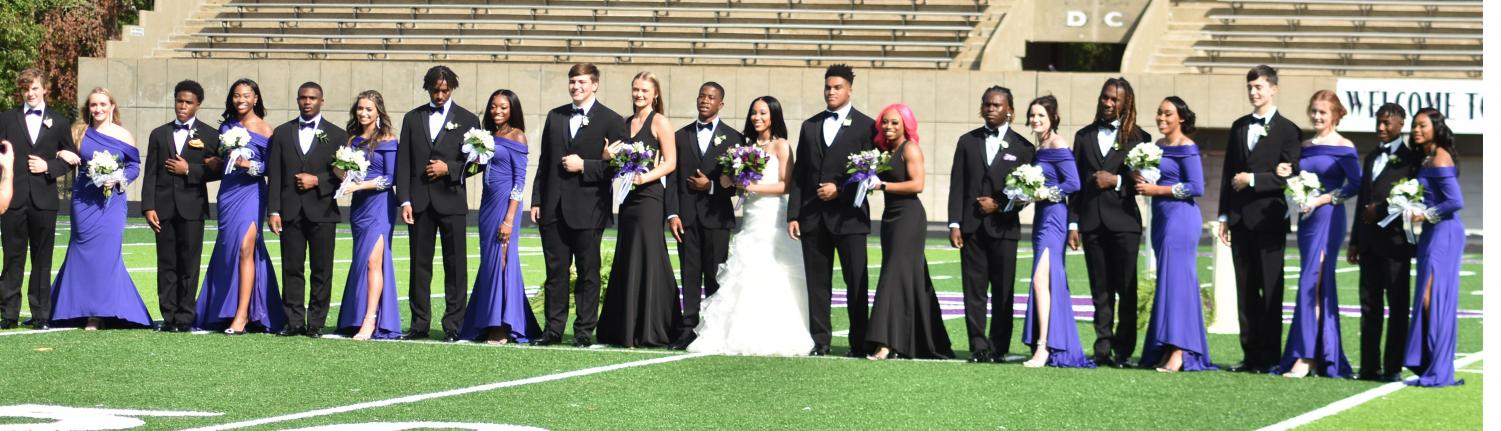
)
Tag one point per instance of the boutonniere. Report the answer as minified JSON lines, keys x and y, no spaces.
{"x":1115,"y":146}
{"x":450,"y":126}
{"x":718,"y":139}
{"x":584,"y":122}
{"x":192,"y":133}
{"x":1265,"y":128}
{"x":320,"y":136}
{"x":47,"y":122}
{"x":848,"y":122}
{"x":1005,"y":145}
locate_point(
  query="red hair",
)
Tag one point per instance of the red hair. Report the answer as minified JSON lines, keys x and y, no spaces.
{"x":909,"y":124}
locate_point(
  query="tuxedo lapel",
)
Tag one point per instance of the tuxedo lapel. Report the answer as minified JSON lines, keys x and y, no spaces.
{"x":423,"y":126}
{"x":443,"y":128}
{"x":1092,"y":134}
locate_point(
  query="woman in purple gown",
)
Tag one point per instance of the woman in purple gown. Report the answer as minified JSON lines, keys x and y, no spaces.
{"x":498,"y":310}
{"x":1313,"y":342}
{"x":92,"y":286}
{"x":368,"y":308}
{"x":1432,"y":338}
{"x":1176,"y":339}
{"x":1049,"y":327}
{"x":239,"y":290}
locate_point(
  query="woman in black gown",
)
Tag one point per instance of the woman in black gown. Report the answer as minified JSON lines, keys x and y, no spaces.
{"x":906,"y":320}
{"x":641,"y":303}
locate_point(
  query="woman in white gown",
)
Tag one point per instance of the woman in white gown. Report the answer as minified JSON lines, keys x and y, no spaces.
{"x":761,"y":307}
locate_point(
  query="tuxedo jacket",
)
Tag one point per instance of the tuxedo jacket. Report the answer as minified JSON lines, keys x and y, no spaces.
{"x":1261,"y":208}
{"x":184,"y":196}
{"x":37,"y":190}
{"x":973,"y":177}
{"x":581,"y":200}
{"x":1366,"y":234}
{"x":817,"y":163}
{"x":1093,"y":208}
{"x":699,"y":208}
{"x":414,"y":149}
{"x":286,"y":160}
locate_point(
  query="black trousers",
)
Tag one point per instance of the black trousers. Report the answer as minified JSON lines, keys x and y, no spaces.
{"x":429,"y":224}
{"x":179,"y":249}
{"x":565,"y":247}
{"x":819,"y":246}
{"x":300,"y":239}
{"x":700,"y":254}
{"x":988,"y":268}
{"x":1384,"y":276}
{"x":1110,"y":259}
{"x":1258,"y":284}
{"x":25,"y":229}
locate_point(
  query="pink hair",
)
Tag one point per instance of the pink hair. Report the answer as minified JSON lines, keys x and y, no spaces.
{"x":909,"y":124}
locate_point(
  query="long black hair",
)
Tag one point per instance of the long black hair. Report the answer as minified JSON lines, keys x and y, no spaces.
{"x":1443,"y":137}
{"x":778,"y":125}
{"x":515,"y":120}
{"x":229,"y":100}
{"x":1185,"y":115}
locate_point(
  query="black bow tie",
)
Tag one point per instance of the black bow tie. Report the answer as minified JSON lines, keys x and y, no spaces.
{"x":705,"y":126}
{"x":180,"y":126}
{"x":1108,"y":126}
{"x":992,"y":132}
{"x":831,"y":114}
{"x":1261,"y":121}
{"x":36,"y":112}
{"x":307,"y":124}
{"x":579,"y":112}
{"x":437,"y":109}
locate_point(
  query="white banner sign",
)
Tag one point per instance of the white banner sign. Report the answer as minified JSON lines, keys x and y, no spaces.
{"x":1461,"y":101}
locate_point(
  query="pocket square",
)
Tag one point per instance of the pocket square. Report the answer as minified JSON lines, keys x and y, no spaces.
{"x":1009,"y":157}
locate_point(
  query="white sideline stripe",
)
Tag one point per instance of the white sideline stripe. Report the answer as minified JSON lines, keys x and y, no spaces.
{"x":34,"y":331}
{"x":596,"y":348}
{"x":1357,"y":399}
{"x":449,"y":393}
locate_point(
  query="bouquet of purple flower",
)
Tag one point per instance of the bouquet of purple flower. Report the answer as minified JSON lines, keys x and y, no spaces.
{"x":863,"y":168}
{"x":630,"y":161}
{"x":744,"y":164}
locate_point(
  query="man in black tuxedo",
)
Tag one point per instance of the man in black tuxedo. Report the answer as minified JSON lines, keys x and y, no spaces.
{"x":698,"y":206}
{"x":571,"y":203}
{"x":980,"y":227}
{"x":1383,"y":253}
{"x":37,"y":133}
{"x":1253,"y":217}
{"x":303,"y":211}
{"x":430,"y":174}
{"x":821,"y":209}
{"x":181,"y":159}
{"x":1105,"y":212}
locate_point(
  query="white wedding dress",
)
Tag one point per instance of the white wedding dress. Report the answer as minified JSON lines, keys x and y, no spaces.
{"x":761,"y":307}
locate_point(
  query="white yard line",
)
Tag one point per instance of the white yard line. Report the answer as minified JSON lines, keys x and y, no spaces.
{"x":31,"y":332}
{"x":448,"y":393}
{"x":1357,"y":399}
{"x":597,"y":347}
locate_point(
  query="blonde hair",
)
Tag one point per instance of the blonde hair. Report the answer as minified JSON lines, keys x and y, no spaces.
{"x":85,"y":120}
{"x":657,"y":104}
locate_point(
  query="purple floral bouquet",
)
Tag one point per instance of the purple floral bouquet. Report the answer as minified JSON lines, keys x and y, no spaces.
{"x":745,"y":165}
{"x":863,"y":168}
{"x":630,"y":161}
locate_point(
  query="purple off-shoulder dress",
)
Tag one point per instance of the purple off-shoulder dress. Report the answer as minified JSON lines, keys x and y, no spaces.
{"x":93,"y":281}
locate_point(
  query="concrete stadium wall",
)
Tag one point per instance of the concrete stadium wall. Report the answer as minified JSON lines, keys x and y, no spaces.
{"x":946,"y":102}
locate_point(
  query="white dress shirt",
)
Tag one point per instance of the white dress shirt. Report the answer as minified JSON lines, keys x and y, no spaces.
{"x":179,"y":136}
{"x":1106,"y":137}
{"x":577,"y":121}
{"x":832,"y":123}
{"x":435,"y":119}
{"x":34,"y":122}
{"x":1388,"y":150}
{"x":1253,"y":133}
{"x":705,"y":136}
{"x":305,"y":135}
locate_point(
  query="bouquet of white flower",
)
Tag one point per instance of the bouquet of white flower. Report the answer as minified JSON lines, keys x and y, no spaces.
{"x":104,"y":170}
{"x":478,"y":148}
{"x":1301,"y":190}
{"x":1405,"y":200}
{"x":1024,"y":185}
{"x":1146,"y":158}
{"x":354,"y":165}
{"x":863,"y":168}
{"x":235,"y":143}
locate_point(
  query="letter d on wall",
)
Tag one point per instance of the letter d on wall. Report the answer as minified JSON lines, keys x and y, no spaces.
{"x":1076,"y":19}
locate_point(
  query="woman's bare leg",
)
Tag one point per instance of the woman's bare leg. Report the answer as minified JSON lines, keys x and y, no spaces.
{"x":1041,"y":304}
{"x":247,"y":279}
{"x":375,"y":273}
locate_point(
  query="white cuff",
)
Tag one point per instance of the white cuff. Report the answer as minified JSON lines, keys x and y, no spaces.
{"x":1224,"y":219}
{"x":406,"y":204}
{"x":1073,"y":226}
{"x":672,"y":216}
{"x":953,"y":225}
{"x":276,"y":214}
{"x":1251,"y":183}
{"x":1117,"y":183}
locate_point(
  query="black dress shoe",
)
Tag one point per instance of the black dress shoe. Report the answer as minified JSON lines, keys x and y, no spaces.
{"x":40,"y":326}
{"x":8,"y":323}
{"x":584,"y":342}
{"x":1125,"y":363}
{"x":819,"y":351}
{"x":980,"y":356}
{"x":854,"y":354}
{"x":546,"y":340}
{"x":1249,"y":368}
{"x":1392,"y":377}
{"x":314,"y":333}
{"x":290,"y":332}
{"x":415,"y":336}
{"x":451,"y":337}
{"x":1104,"y":361}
